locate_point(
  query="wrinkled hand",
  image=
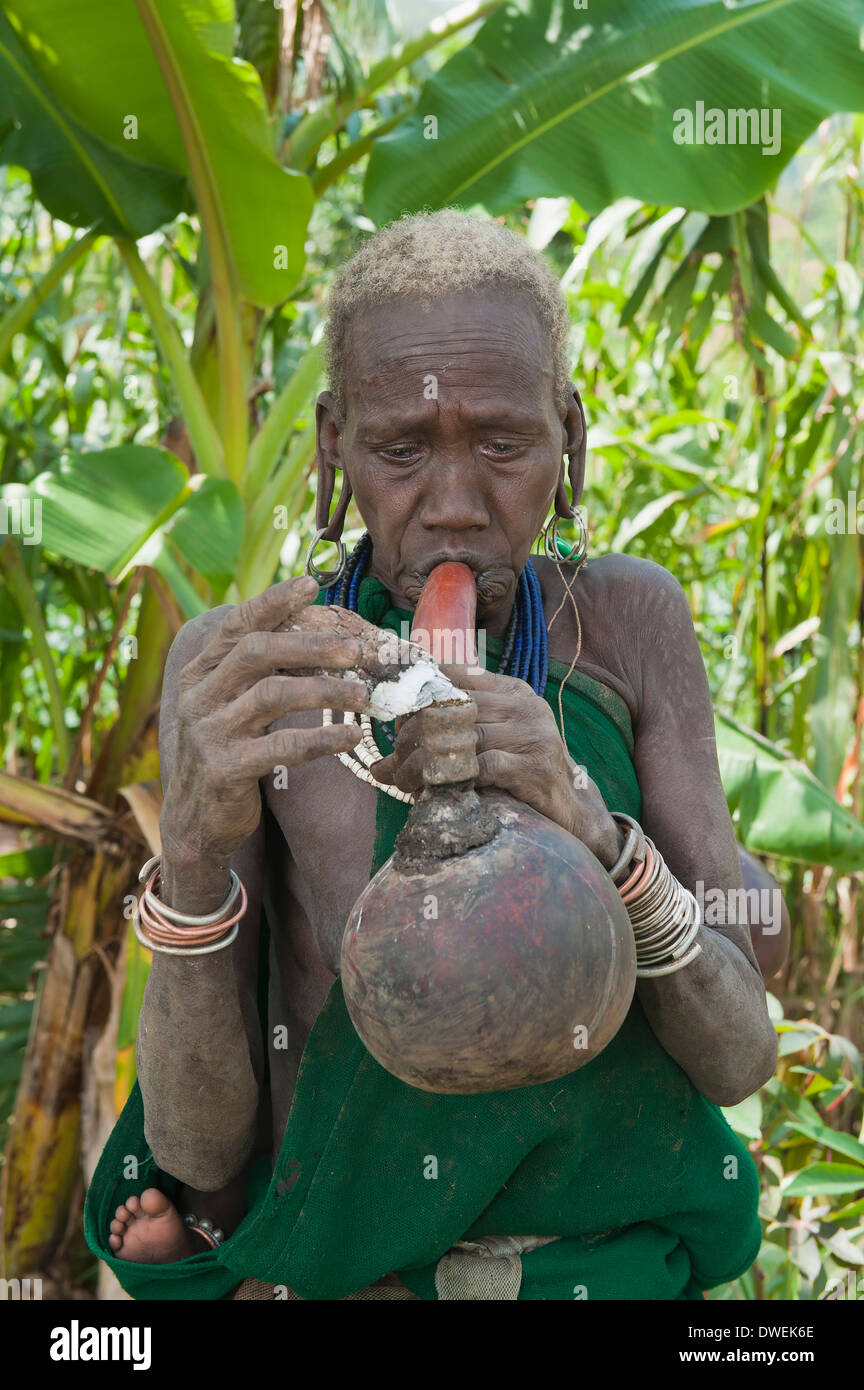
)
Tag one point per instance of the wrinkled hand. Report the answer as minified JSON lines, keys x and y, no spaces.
{"x":520,"y":751}
{"x":229,"y":697}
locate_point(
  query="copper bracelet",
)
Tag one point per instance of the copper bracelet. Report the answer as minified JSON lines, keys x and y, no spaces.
{"x":200,"y":935}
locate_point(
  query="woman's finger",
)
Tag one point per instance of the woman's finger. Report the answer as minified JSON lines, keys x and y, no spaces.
{"x":499,"y":769}
{"x":263,"y":613}
{"x":407,"y":776}
{"x":467,"y":679}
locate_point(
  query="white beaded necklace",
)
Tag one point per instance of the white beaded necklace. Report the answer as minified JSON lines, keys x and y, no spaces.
{"x":365,"y":754}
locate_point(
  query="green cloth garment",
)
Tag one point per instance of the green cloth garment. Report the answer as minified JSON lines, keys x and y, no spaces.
{"x":651,"y":1192}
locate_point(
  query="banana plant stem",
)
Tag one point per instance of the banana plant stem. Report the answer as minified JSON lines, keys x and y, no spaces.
{"x":201,"y":429}
{"x":28,"y":605}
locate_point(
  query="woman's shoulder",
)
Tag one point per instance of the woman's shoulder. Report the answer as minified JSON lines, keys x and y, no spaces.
{"x":608,"y":578}
{"x":614,"y":613}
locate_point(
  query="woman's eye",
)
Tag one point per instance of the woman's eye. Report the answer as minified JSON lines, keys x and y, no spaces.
{"x":400,"y":451}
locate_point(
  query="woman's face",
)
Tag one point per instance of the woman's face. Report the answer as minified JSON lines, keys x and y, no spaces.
{"x":452,"y":440}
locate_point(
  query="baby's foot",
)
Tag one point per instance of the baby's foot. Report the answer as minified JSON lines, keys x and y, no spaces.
{"x":150,"y":1230}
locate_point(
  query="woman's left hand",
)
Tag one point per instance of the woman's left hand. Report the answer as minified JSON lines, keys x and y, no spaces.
{"x":520,"y":751}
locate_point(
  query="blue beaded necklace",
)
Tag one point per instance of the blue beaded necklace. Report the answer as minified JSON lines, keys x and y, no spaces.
{"x":526,"y":642}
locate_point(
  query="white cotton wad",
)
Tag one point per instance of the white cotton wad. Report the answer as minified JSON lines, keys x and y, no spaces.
{"x":415,"y":687}
{"x":401,"y":676}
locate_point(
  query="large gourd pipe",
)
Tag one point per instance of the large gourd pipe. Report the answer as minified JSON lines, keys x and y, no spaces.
{"x":492,"y":951}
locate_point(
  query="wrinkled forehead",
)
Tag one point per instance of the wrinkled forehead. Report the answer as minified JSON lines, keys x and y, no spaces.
{"x":491,"y":342}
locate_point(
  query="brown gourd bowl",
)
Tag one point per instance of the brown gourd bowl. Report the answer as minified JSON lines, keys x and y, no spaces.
{"x":507,"y":966}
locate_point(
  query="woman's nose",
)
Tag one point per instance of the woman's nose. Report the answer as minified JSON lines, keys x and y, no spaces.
{"x":454,"y":499}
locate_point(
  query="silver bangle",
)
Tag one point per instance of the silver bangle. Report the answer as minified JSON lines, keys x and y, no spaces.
{"x":187,"y":919}
{"x":634,"y":845}
{"x":666,"y":919}
{"x":661,"y":954}
{"x":185,"y":950}
{"x":677,"y":938}
{"x":655,"y":971}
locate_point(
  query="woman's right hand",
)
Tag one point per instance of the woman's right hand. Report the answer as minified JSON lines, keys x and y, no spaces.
{"x":229,"y":696}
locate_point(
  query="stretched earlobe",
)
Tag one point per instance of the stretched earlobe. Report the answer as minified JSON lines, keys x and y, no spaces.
{"x":329,"y":528}
{"x":576,"y":452}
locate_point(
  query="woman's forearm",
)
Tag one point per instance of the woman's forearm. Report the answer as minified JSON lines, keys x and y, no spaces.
{"x":197,"y":1082}
{"x":711,"y":1017}
{"x":197,"y":1079}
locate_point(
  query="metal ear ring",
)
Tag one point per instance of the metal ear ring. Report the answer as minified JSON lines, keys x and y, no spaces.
{"x":325,"y":577}
{"x":578,"y":553}
{"x":550,"y":538}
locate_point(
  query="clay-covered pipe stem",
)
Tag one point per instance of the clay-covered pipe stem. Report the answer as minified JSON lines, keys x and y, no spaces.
{"x":449,"y":744}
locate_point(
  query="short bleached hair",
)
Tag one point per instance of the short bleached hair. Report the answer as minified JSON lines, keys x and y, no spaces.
{"x":427,"y":256}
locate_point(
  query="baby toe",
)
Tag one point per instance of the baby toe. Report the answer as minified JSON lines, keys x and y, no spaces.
{"x":154,"y":1202}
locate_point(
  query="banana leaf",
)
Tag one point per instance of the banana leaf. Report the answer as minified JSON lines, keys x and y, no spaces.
{"x":155,"y":82}
{"x":136,"y":504}
{"x":586,"y":101}
{"x":76,"y":175}
{"x":780,"y":807}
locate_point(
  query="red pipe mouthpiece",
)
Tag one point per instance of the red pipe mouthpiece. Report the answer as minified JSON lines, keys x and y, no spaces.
{"x":446,"y":615}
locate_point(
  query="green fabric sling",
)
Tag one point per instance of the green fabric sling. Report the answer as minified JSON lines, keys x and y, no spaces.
{"x":652,"y":1193}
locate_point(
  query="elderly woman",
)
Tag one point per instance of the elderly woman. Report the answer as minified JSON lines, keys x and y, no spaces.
{"x":452,"y":422}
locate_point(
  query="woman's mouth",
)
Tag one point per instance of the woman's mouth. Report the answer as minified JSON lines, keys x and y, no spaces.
{"x":495,"y":582}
